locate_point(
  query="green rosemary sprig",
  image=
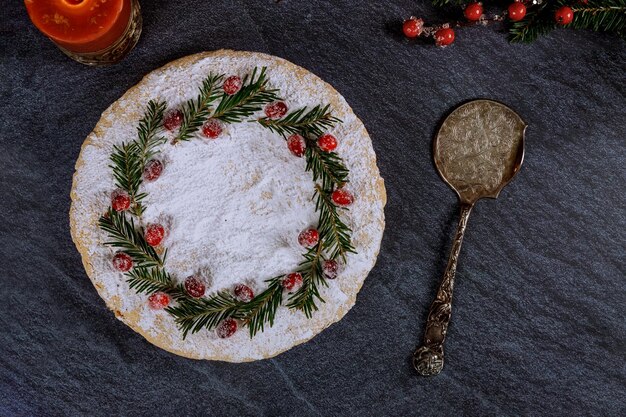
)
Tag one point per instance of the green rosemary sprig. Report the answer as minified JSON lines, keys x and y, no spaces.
{"x":312,"y":276}
{"x":335,"y":234}
{"x":325,"y":166}
{"x":129,"y":159}
{"x":125,"y":236}
{"x":262,"y":308}
{"x":195,"y":112}
{"x":253,"y":94}
{"x":313,"y":122}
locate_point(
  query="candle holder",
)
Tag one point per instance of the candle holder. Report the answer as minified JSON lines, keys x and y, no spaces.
{"x":117,"y":50}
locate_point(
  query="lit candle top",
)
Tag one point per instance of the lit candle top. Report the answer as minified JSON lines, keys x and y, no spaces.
{"x":80,"y":25}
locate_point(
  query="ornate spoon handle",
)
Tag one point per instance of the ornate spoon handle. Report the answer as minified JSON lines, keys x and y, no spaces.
{"x":428,"y":358}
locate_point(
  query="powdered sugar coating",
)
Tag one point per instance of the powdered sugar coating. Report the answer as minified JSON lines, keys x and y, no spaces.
{"x":233,"y":207}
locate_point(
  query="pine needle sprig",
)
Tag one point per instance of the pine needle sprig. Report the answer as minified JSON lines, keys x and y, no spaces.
{"x":262,"y":308}
{"x":334,"y":233}
{"x":195,"y":112}
{"x":325,"y":166}
{"x":194,"y":314}
{"x":149,"y":280}
{"x":601,"y":16}
{"x":312,"y":276}
{"x":248,"y":100}
{"x":125,"y":236}
{"x":147,"y":139}
{"x":313,"y":122}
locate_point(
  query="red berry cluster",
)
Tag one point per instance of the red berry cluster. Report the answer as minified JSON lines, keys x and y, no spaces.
{"x":473,"y":12}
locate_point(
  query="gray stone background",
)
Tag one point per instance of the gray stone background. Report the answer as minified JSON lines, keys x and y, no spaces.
{"x":538,"y":326}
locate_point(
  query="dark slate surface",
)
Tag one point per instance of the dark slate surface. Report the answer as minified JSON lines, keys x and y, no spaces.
{"x":538,"y":326}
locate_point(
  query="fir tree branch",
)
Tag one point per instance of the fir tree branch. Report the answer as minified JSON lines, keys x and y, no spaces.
{"x":262,"y":308}
{"x":326,"y":166}
{"x":314,"y":122}
{"x":125,"y":236}
{"x":196,"y":112}
{"x":249,"y":99}
{"x":601,"y":16}
{"x":334,"y":233}
{"x":312,"y":276}
{"x":194,"y":314}
{"x":149,"y":280}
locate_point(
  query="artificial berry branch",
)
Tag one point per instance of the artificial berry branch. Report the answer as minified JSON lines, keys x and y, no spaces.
{"x":526,"y":20}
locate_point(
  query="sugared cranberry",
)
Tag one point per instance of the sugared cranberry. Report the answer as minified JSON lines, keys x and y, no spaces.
{"x":232,"y":85}
{"x":194,"y":287}
{"x":244,"y":293}
{"x":308,"y":238}
{"x":413,"y":27}
{"x":158,"y":300}
{"x":120,"y":201}
{"x":444,"y":37}
{"x":292,"y":282}
{"x":154,"y":234}
{"x":473,"y":11}
{"x":275,"y":110}
{"x":122,"y":262}
{"x":330,"y":268}
{"x":153,"y":170}
{"x":226,"y":328}
{"x":296,"y":144}
{"x":342,"y":197}
{"x":173,"y":120}
{"x":212,"y":128}
{"x":327,"y":142}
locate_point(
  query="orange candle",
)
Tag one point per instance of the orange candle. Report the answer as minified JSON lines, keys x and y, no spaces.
{"x":85,"y":27}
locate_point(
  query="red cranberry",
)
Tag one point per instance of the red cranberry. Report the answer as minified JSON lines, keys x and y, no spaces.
{"x":309,"y":238}
{"x":330,"y":268}
{"x":296,"y":144}
{"x":473,"y":11}
{"x":194,"y":287}
{"x":226,"y":328}
{"x":342,"y":197}
{"x":292,"y":282}
{"x":327,"y":142}
{"x":243,"y":293}
{"x":517,"y":11}
{"x":212,"y":128}
{"x":412,"y":27}
{"x":444,"y":37}
{"x":120,"y":201}
{"x":154,"y":234}
{"x":122,"y":262}
{"x":564,"y":15}
{"x":275,"y":110}
{"x":232,"y":85}
{"x":158,"y":300}
{"x":153,"y":170}
{"x":173,"y":120}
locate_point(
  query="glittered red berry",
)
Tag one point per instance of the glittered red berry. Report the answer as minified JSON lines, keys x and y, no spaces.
{"x":308,"y":238}
{"x":292,"y":282}
{"x":232,"y":85}
{"x":564,"y":15}
{"x":154,"y":234}
{"x":473,"y":11}
{"x":158,"y":300}
{"x":342,"y":197}
{"x":194,"y":287}
{"x":226,"y":328}
{"x":120,"y":201}
{"x":173,"y":120}
{"x":412,"y":27}
{"x":122,"y":262}
{"x":330,"y":268}
{"x":153,"y":170}
{"x":275,"y":110}
{"x":296,"y":144}
{"x":212,"y":128}
{"x":243,"y":293}
{"x":444,"y":37}
{"x":517,"y":11}
{"x":327,"y":142}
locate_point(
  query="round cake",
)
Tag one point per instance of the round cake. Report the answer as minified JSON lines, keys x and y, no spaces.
{"x":228,"y":207}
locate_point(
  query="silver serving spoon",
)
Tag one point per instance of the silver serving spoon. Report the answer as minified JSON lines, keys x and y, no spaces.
{"x":478,"y":150}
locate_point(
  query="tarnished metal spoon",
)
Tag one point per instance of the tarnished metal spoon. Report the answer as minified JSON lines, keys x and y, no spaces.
{"x":478,"y":150}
